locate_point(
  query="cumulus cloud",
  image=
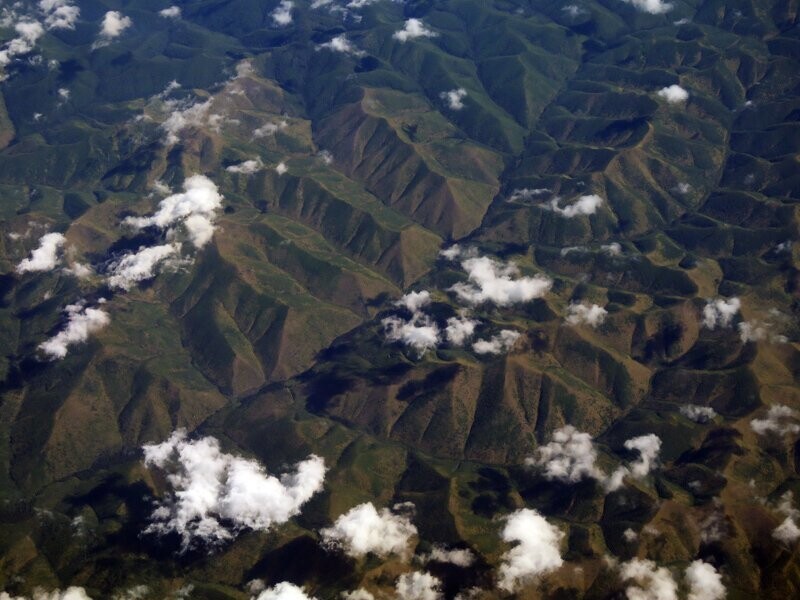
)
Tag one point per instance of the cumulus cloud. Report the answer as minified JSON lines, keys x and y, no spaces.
{"x":28,"y":32}
{"x":183,"y":117}
{"x":498,"y":344}
{"x":71,"y":593}
{"x":247,"y":167}
{"x":45,"y":257}
{"x":454,"y":98}
{"x":341,"y":44}
{"x":282,"y":15}
{"x":760,"y":331}
{"x":82,"y":321}
{"x":216,"y":495}
{"x":787,"y":532}
{"x":612,"y":249}
{"x":497,"y":282}
{"x":363,"y":530}
{"x":420,"y":332}
{"x":281,"y":168}
{"x":412,"y":29}
{"x":583,"y":314}
{"x":697,"y":413}
{"x":720,"y":312}
{"x":172,"y":12}
{"x":59,"y":14}
{"x":196,"y":208}
{"x":569,"y":457}
{"x":779,"y":419}
{"x":654,"y":7}
{"x":585,"y":205}
{"x":651,"y":582}
{"x":455,"y":251}
{"x":537,"y":550}
{"x":460,"y":557}
{"x":418,"y":586}
{"x":415,"y":301}
{"x":283,"y":591}
{"x":112,"y":26}
{"x":269,"y":129}
{"x":704,"y":582}
{"x":649,"y":447}
{"x":674,"y":94}
{"x":135,"y":267}
{"x":460,"y":329}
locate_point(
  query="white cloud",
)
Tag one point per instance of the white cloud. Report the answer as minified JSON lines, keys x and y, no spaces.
{"x":247,"y":167}
{"x":418,"y":586}
{"x":652,"y":582}
{"x":654,"y":7}
{"x":760,"y":331}
{"x":283,"y":591}
{"x":59,"y":14}
{"x":582,"y":314}
{"x":269,"y":129}
{"x":281,"y":168}
{"x":194,"y":115}
{"x":454,"y":98}
{"x":340,"y":43}
{"x":82,"y":321}
{"x":363,"y":530}
{"x":697,"y":413}
{"x":573,"y":10}
{"x":569,"y":457}
{"x":674,"y":94}
{"x":359,"y":594}
{"x":196,"y":207}
{"x":460,"y":329}
{"x":498,"y":344}
{"x":414,"y":301}
{"x":460,"y":557}
{"x":787,"y":532}
{"x":64,"y":94}
{"x":705,"y":583}
{"x":139,"y":266}
{"x":720,"y":312}
{"x":455,"y":251}
{"x":172,"y":12}
{"x":537,"y":549}
{"x":282,"y":15}
{"x":420,"y":333}
{"x":585,"y":205}
{"x":780,"y":419}
{"x":113,"y":24}
{"x":216,"y":495}
{"x":527,"y":194}
{"x":648,"y":447}
{"x":45,"y":256}
{"x":28,"y":32}
{"x":493,"y":281}
{"x":412,"y":29}
{"x":612,"y":249}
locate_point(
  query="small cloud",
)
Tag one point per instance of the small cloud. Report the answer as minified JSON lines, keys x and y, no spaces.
{"x":584,"y":314}
{"x":268,"y":129}
{"x":454,"y":98}
{"x":194,"y":115}
{"x":682,"y":188}
{"x":720,"y":312}
{"x":172,"y":12}
{"x":59,"y":14}
{"x":654,"y":7}
{"x":247,"y":167}
{"x":491,"y":281}
{"x":704,"y":582}
{"x":537,"y":550}
{"x":82,"y":321}
{"x":569,"y":457}
{"x":135,"y":267}
{"x":28,"y":32}
{"x":419,"y":333}
{"x":282,"y":15}
{"x":674,"y":94}
{"x":612,"y":249}
{"x":341,"y":44}
{"x":112,"y":26}
{"x":498,"y":344}
{"x":460,"y":329}
{"x":414,"y":301}
{"x":283,"y":591}
{"x":585,"y":205}
{"x":364,"y":530}
{"x":573,"y":10}
{"x":697,"y":413}
{"x":649,"y":447}
{"x":460,"y":557}
{"x":359,"y":594}
{"x":45,"y":257}
{"x":325,"y":157}
{"x":651,"y":581}
{"x":281,"y":168}
{"x":418,"y":586}
{"x":216,"y":495}
{"x":779,"y":419}
{"x":787,"y":532}
{"x":413,"y":29}
{"x":71,"y":593}
{"x":528,"y":194}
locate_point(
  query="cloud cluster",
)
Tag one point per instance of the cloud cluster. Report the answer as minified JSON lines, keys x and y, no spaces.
{"x":648,"y":447}
{"x":719,"y":312}
{"x":215,"y":495}
{"x":537,"y":550}
{"x":497,"y":344}
{"x":414,"y":301}
{"x":28,"y":32}
{"x":71,"y":593}
{"x":760,"y":331}
{"x":704,"y":582}
{"x":779,"y":419}
{"x":182,"y":117}
{"x":282,"y":15}
{"x":570,"y":457}
{"x":492,"y":281}
{"x":583,"y":314}
{"x":82,"y":321}
{"x":585,"y":205}
{"x":697,"y":413}
{"x":650,"y":582}
{"x":673,"y":94}
{"x":270,"y":128}
{"x":283,"y":591}
{"x":195,"y":208}
{"x":413,"y":29}
{"x":454,"y":98}
{"x":341,"y":44}
{"x":418,"y":586}
{"x":788,"y":531}
{"x":654,"y":7}
{"x":45,"y":257}
{"x":59,"y":14}
{"x":135,"y":267}
{"x":364,"y":530}
{"x":460,"y":329}
{"x":420,"y":332}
